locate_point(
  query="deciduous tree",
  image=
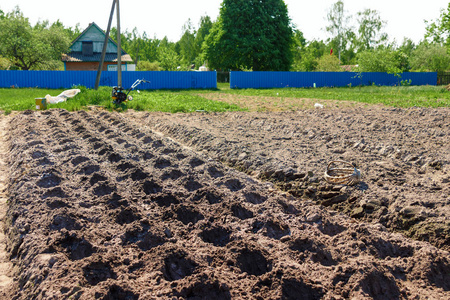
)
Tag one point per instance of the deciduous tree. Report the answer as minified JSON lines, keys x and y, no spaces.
{"x":30,"y":47}
{"x":338,"y":26}
{"x":430,"y":57}
{"x":381,"y":60}
{"x":370,"y":33}
{"x":328,"y":63}
{"x":310,"y":54}
{"x":203,"y":31}
{"x":438,"y":31}
{"x":169,"y":60}
{"x":187,"y":43}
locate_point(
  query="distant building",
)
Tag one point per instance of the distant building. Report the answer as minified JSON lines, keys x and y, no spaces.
{"x":86,"y":49}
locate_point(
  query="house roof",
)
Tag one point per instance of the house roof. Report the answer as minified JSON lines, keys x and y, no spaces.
{"x":76,"y":56}
{"x":79,"y":57}
{"x":110,"y":40}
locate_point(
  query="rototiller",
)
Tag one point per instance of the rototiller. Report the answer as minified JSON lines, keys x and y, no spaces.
{"x":119,"y":94}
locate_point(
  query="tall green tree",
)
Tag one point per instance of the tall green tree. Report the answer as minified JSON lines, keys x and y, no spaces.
{"x":338,"y":26}
{"x":203,"y":31}
{"x":169,"y":60}
{"x":370,"y":33}
{"x":251,"y":34}
{"x":310,"y":55}
{"x":149,"y":48}
{"x":72,"y":32}
{"x":438,"y":31}
{"x":407,"y":46}
{"x":186,"y":44}
{"x":135,"y":46}
{"x":30,"y":47}
{"x":299,"y":41}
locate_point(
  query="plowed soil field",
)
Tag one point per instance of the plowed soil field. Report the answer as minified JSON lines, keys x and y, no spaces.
{"x":104,"y":205}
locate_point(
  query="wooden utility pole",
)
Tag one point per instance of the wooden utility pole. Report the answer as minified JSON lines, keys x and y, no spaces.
{"x":119,"y":48}
{"x":105,"y":44}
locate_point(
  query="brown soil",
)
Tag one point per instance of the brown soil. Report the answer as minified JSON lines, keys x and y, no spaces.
{"x":404,"y":156}
{"x":5,"y":264}
{"x":274,"y":104}
{"x":224,"y":206}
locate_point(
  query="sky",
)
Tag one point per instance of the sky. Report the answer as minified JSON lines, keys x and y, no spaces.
{"x":405,"y":18}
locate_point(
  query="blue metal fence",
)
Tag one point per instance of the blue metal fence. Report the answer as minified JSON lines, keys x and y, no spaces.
{"x":207,"y":80}
{"x":67,"y":79}
{"x":325,"y":79}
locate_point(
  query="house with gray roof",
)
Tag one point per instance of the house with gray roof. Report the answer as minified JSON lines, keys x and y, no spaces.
{"x":86,"y":49}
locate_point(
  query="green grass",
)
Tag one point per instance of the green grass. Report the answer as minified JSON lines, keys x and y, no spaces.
{"x":165,"y":100}
{"x":176,"y":101}
{"x":22,"y":99}
{"x":399,"y":96}
{"x":191,"y":100}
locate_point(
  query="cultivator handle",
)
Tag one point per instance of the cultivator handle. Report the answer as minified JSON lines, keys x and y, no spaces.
{"x":138,"y":82}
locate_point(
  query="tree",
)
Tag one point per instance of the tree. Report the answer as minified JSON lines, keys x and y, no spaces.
{"x":298,"y":50}
{"x":328,"y":63}
{"x":169,"y":60}
{"x":381,"y":60}
{"x":310,"y":55}
{"x":251,"y":34}
{"x":72,"y":33}
{"x":30,"y":47}
{"x":369,"y":31}
{"x":149,"y":48}
{"x":407,"y":46}
{"x":430,"y":57}
{"x":438,"y":31}
{"x":203,"y":31}
{"x":189,"y":47}
{"x":135,"y":47}
{"x":187,"y":43}
{"x":338,"y":27}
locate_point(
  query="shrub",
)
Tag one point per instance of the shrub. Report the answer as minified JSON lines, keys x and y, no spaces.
{"x":329,"y":63}
{"x":145,"y":65}
{"x":380,"y":60}
{"x":430,"y":57}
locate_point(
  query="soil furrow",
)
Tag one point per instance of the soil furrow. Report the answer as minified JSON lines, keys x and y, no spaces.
{"x":101,"y":207}
{"x":403,"y":155}
{"x":5,"y":263}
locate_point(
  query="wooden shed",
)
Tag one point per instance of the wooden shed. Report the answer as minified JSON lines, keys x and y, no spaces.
{"x":86,"y":50}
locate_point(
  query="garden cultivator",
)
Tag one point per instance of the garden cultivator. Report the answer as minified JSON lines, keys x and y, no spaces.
{"x":119,"y":94}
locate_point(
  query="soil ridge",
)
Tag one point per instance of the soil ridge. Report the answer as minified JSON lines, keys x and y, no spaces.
{"x":5,"y":263}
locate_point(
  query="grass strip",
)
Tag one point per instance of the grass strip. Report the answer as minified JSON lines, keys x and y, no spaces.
{"x":191,"y":100}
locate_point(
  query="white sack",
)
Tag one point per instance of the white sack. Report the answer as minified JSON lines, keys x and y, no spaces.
{"x":62,"y":97}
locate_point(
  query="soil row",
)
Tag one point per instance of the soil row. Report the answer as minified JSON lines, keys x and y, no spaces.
{"x":102,"y":207}
{"x":403,"y":154}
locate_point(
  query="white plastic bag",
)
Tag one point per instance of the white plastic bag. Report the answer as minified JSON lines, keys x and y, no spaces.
{"x":62,"y":97}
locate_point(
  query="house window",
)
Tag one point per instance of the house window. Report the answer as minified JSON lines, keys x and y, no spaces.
{"x":87,"y":48}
